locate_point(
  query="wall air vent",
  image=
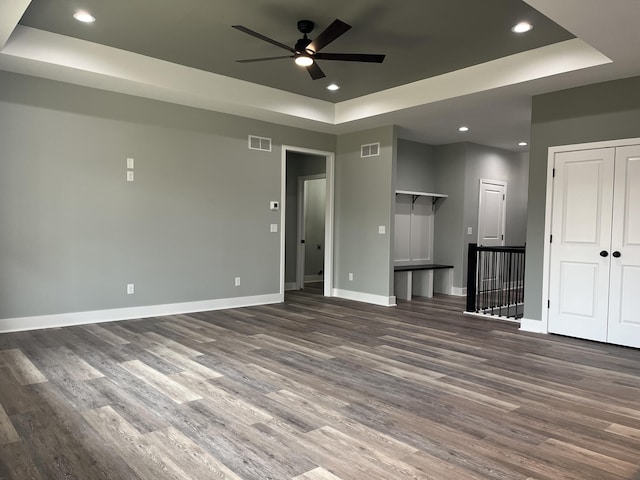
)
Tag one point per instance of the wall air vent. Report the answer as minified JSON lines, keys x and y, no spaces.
{"x":259,"y":143}
{"x":370,"y":150}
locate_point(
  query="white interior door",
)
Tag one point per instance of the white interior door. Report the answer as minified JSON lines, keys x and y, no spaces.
{"x":492,"y":213}
{"x":491,"y":225}
{"x":581,"y":234}
{"x":624,"y":301}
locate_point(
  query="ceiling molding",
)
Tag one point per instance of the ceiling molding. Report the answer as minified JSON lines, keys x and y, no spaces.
{"x":522,"y":67}
{"x":10,"y":13}
{"x":57,"y":57}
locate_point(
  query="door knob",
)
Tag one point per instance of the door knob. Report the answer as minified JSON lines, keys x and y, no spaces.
{"x":616,"y":254}
{"x":604,"y":253}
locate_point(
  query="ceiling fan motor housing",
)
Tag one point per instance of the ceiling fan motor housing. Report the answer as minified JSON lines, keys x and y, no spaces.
{"x":306,"y":26}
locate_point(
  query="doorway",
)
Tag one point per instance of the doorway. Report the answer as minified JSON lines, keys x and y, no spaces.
{"x":300,"y":168}
{"x":311,"y":231}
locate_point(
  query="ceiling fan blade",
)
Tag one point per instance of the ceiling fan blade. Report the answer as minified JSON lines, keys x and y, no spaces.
{"x":262,"y":37}
{"x":329,"y":34}
{"x":252,"y":60}
{"x":350,"y":57}
{"x":315,"y":71}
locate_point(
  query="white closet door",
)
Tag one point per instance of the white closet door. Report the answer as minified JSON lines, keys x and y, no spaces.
{"x":624,"y":302}
{"x":581,"y":229}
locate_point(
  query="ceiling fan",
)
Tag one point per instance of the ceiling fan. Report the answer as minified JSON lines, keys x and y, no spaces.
{"x":307,"y":51}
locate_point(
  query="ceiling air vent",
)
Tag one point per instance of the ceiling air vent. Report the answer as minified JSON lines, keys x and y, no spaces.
{"x":370,"y":150}
{"x":259,"y":143}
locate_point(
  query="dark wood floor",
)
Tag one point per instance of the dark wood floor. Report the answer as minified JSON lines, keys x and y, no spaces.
{"x":316,"y":389}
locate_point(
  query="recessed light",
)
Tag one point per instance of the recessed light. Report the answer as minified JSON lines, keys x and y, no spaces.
{"x":523,"y":144}
{"x":333,"y":87}
{"x":84,"y":16}
{"x":463,"y":129}
{"x":522,"y":27}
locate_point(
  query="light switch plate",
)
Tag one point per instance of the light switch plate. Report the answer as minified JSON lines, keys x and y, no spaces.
{"x":274,"y":227}
{"x":130,"y":163}
{"x":382,"y":230}
{"x":469,"y":230}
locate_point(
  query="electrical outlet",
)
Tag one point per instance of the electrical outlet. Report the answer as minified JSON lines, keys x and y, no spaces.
{"x":237,"y":282}
{"x":350,"y":277}
{"x":130,"y":289}
{"x":469,"y":230}
{"x":129,"y":175}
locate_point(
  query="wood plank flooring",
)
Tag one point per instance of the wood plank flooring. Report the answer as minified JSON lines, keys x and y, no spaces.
{"x":317,"y":389}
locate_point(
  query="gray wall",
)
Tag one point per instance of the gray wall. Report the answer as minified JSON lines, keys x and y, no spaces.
{"x":449,"y":212}
{"x":605,"y":111}
{"x":483,"y":162}
{"x":416,"y":167}
{"x":298,"y":165}
{"x":74,"y":232}
{"x":457,"y":170}
{"x":364,"y":200}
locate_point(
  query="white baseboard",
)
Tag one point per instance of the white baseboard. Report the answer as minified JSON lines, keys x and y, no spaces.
{"x":529,"y":325}
{"x":290,"y":286}
{"x":97,"y":316}
{"x":313,"y":278}
{"x":364,"y":297}
{"x":459,"y":292}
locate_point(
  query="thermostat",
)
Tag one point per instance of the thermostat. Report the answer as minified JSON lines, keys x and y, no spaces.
{"x":274,"y":205}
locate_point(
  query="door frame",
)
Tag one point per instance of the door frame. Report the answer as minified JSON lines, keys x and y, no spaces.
{"x":543,"y":325}
{"x":301,"y":230}
{"x":328,"y":218}
{"x":504,"y":206}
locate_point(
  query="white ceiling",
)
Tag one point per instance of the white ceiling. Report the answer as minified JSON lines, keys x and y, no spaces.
{"x":493,"y":97}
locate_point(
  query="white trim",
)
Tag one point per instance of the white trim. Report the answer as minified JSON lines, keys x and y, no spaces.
{"x":365,"y":297}
{"x":459,"y":292}
{"x":546,"y":256}
{"x":329,"y":213}
{"x":313,"y":278}
{"x":421,"y":194}
{"x":130,"y":313}
{"x":530,"y":325}
{"x":290,"y":286}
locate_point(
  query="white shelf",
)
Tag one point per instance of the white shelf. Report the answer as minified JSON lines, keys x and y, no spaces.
{"x":421,"y":194}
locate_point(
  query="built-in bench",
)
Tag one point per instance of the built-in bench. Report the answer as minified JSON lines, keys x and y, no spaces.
{"x":417,"y":279}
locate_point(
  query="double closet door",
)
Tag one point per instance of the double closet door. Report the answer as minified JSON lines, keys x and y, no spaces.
{"x":594,"y":284}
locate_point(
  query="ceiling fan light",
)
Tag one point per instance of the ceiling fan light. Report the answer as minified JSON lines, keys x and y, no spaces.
{"x":304,"y":60}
